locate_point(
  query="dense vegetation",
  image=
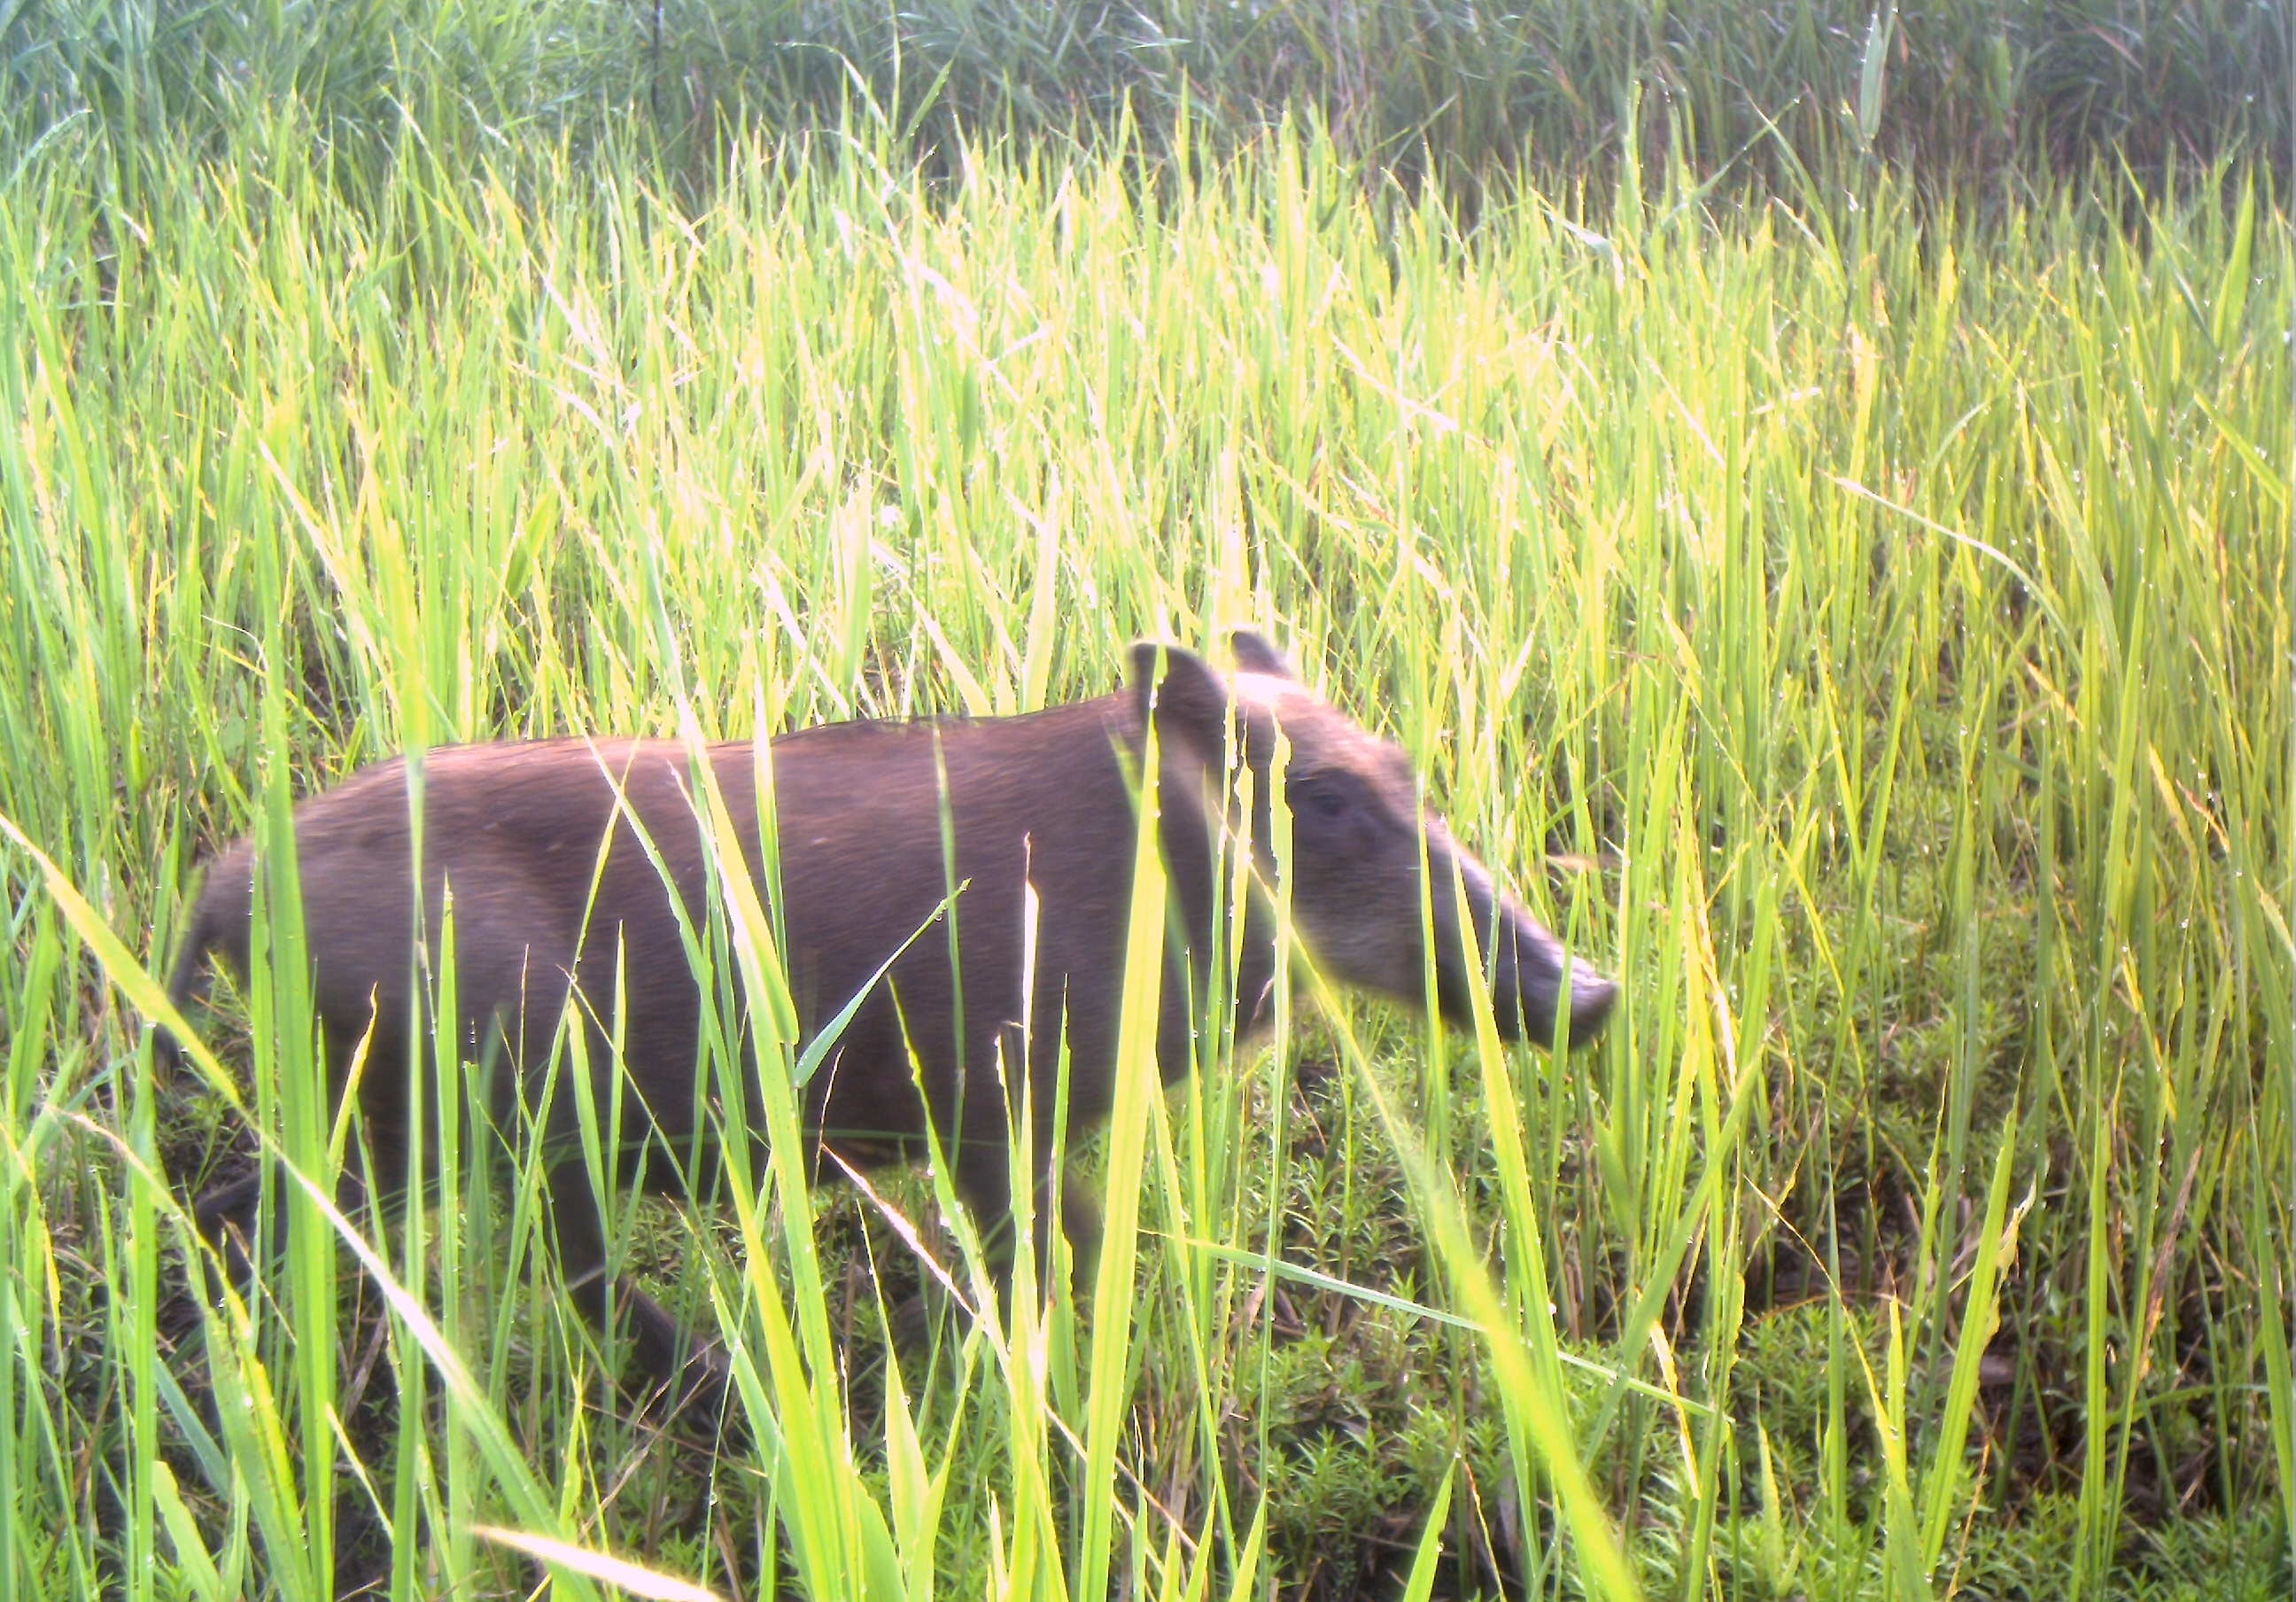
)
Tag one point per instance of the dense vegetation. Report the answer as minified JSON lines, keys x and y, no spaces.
{"x":1956,"y":88}
{"x":1814,"y":497}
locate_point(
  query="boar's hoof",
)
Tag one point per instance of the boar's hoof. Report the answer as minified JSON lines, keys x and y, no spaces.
{"x":696,"y":1402}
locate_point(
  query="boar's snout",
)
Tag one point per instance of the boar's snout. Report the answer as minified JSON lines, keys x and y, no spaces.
{"x":1525,"y":964}
{"x":1527,"y":988}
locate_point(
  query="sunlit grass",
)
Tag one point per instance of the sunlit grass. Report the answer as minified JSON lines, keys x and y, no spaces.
{"x":1864,"y":628}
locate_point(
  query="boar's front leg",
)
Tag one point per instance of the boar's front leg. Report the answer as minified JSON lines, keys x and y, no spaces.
{"x":1062,"y":1199}
{"x":663,"y":1364}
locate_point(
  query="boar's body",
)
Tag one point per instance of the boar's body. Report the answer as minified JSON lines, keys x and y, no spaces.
{"x":556,"y":897}
{"x":513,"y":833}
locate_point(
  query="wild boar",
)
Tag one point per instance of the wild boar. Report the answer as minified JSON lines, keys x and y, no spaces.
{"x":571,"y":862}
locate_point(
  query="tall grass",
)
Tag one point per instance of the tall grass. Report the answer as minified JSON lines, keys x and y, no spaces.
{"x":1862,"y":626}
{"x":1459,"y":90}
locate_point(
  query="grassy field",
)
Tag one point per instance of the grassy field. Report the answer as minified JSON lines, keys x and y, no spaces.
{"x":1855,"y":610}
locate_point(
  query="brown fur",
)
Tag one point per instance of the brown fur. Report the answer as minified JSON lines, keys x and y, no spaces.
{"x":514,"y":833}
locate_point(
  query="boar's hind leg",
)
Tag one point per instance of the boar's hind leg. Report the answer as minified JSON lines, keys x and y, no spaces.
{"x":661,"y":1363}
{"x":228,"y":1216}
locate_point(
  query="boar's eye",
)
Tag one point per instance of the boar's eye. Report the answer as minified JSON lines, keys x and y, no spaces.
{"x":1319,"y":796}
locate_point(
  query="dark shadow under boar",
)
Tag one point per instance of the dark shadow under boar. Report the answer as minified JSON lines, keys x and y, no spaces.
{"x":555,"y":898}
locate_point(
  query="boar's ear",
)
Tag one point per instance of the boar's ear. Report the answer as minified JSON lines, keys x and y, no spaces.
{"x":1254,"y":655}
{"x":1190,"y":699}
